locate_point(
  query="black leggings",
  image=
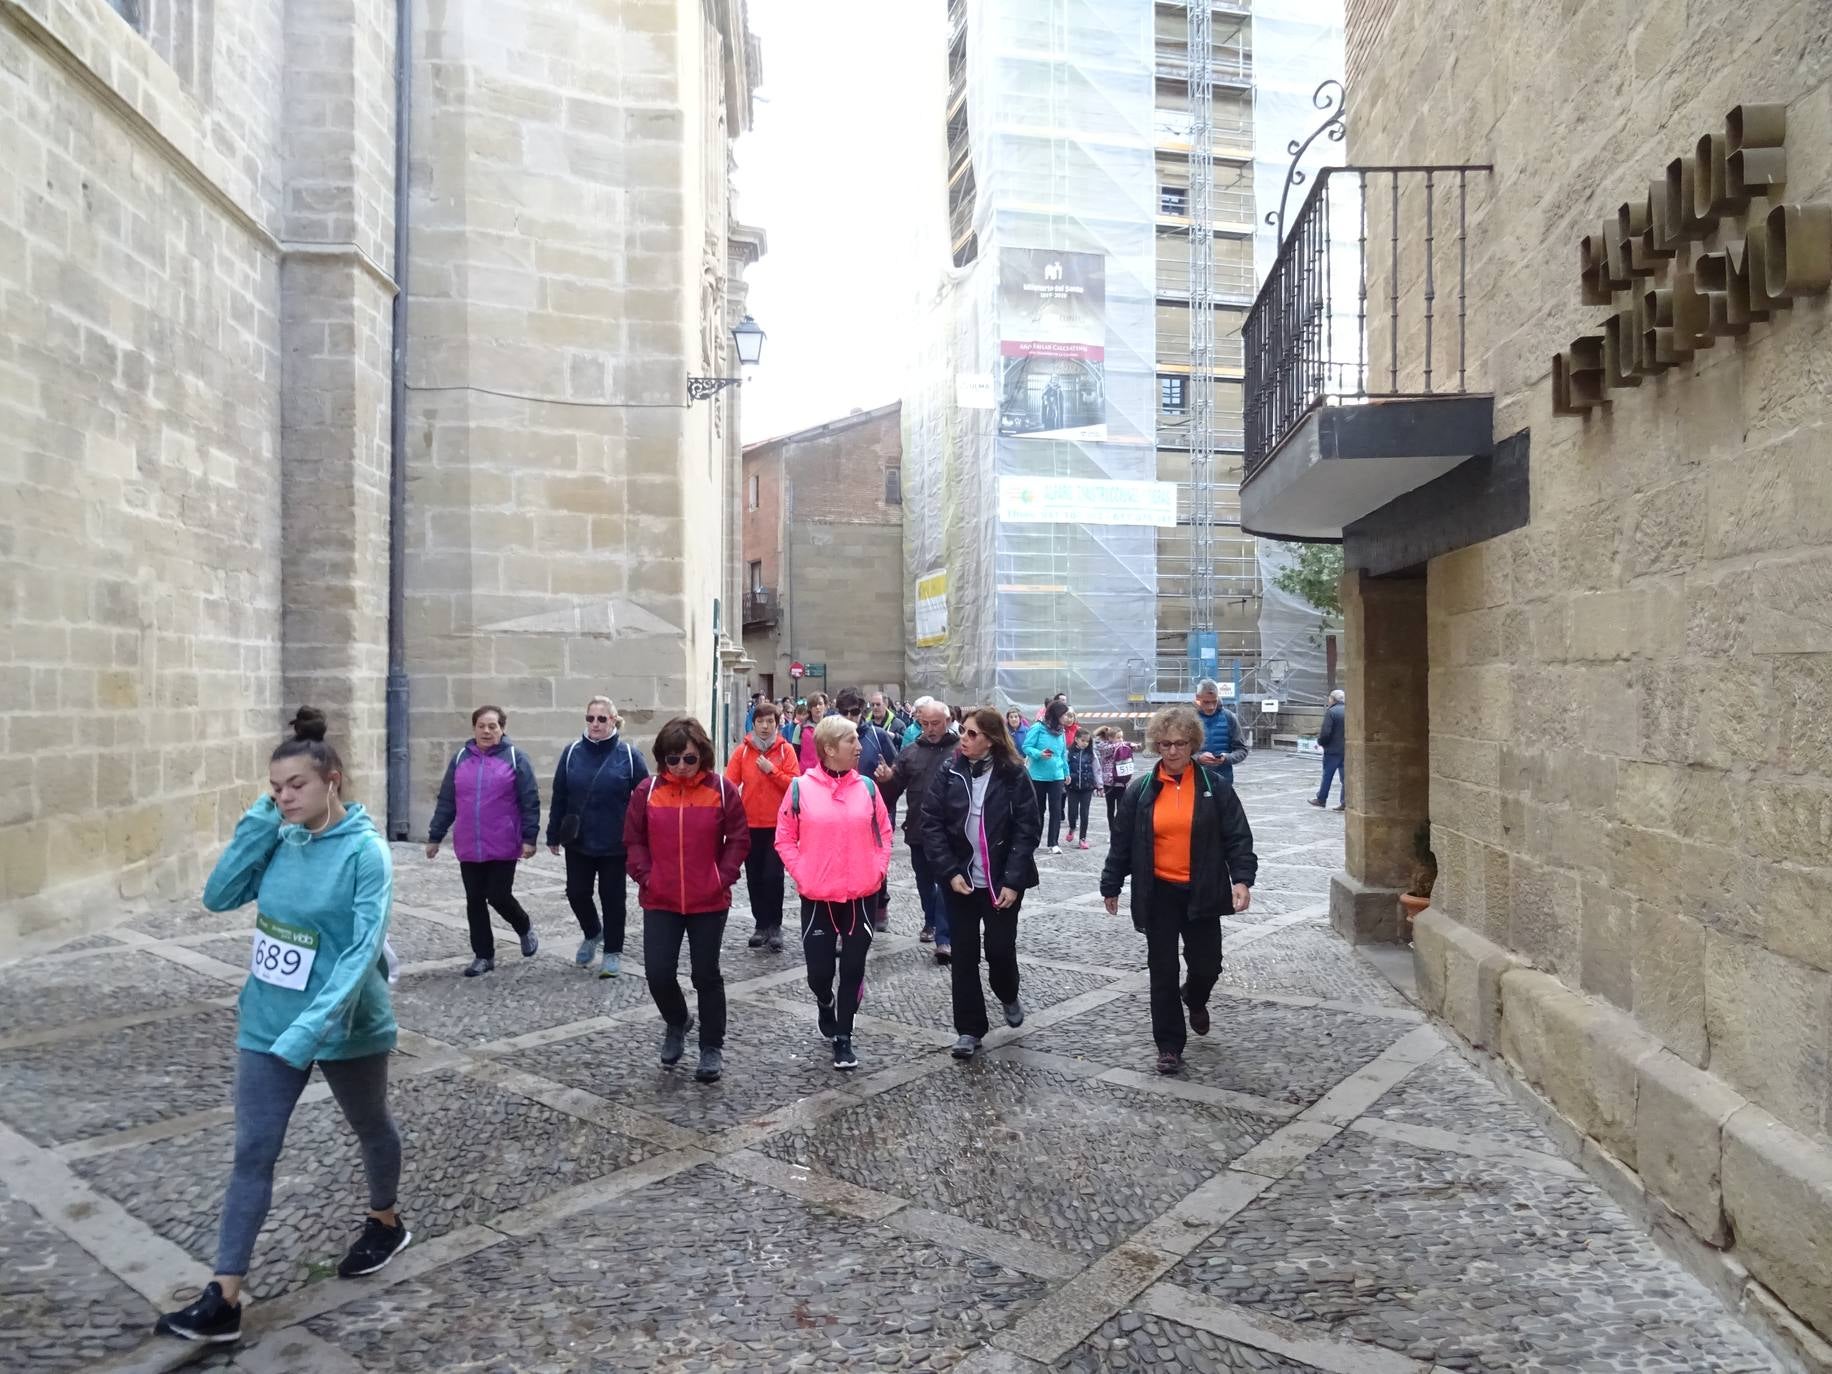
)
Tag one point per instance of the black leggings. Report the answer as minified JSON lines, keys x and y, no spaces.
{"x":838,"y":935}
{"x":1080,"y":799}
{"x":1114,"y":793}
{"x":490,"y":882}
{"x":1049,"y":808}
{"x":662,"y":933}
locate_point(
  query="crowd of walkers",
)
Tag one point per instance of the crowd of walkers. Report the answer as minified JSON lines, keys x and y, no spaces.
{"x":810,"y":793}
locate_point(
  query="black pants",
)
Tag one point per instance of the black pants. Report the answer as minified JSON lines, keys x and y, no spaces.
{"x":490,"y":882}
{"x":605,"y":871}
{"x":967,"y":915}
{"x":1114,"y":793}
{"x":1168,"y":922}
{"x":1080,"y":799}
{"x":763,"y":879}
{"x":661,"y":959}
{"x":838,"y":934}
{"x":1049,"y":809}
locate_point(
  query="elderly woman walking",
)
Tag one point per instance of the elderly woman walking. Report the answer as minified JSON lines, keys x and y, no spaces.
{"x":834,"y":836}
{"x":1183,"y":838}
{"x":591,"y":793}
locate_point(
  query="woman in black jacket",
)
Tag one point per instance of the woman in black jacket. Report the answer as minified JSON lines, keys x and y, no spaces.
{"x":980,"y":829}
{"x":591,"y":792}
{"x":1183,"y":838}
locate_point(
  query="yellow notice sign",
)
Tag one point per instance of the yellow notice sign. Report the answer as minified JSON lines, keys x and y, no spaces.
{"x":932,"y":610}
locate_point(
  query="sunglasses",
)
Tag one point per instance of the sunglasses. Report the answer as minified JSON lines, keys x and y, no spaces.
{"x":853,"y":714}
{"x":971,"y":733}
{"x":597,"y":720}
{"x":673,"y":759}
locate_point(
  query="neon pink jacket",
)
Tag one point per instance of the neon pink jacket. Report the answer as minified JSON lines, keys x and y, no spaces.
{"x":834,"y":836}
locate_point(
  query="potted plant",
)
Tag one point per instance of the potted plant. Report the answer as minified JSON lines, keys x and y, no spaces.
{"x":1417,"y":895}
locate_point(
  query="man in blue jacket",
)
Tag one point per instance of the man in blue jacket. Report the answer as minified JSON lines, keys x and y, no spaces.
{"x":1224,"y":743}
{"x":877,"y":756}
{"x":1331,"y":739}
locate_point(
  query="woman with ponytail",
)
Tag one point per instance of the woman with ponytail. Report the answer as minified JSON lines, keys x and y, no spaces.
{"x":322,"y":883}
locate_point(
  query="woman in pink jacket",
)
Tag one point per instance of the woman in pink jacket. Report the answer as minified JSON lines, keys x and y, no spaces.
{"x":834,"y":836}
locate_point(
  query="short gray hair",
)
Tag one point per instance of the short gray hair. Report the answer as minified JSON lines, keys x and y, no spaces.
{"x":1207,"y":686}
{"x":1338,"y":695}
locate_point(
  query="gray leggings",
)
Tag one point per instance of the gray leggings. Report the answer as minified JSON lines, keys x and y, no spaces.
{"x":267,"y":1089}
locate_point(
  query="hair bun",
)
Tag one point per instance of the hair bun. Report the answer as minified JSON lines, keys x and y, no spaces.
{"x":309,"y":724}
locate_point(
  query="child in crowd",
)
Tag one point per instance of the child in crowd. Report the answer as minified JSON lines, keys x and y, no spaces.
{"x":1082,"y":781}
{"x":1113,"y":766}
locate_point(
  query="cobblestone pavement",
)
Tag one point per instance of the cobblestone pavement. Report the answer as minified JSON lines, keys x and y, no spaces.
{"x":1329,"y":1186}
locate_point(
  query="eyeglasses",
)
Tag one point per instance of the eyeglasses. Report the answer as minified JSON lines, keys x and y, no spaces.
{"x":597,"y":720}
{"x":1164,"y":746}
{"x":673,"y":760}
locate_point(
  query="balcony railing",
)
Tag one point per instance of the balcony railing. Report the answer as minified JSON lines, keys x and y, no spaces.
{"x":760,"y":607}
{"x":1366,"y":300}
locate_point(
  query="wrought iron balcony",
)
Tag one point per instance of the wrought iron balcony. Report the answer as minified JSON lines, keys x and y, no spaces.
{"x":1359,"y":383}
{"x":760,"y":607}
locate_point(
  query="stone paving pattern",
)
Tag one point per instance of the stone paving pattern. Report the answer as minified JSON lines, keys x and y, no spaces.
{"x":903,"y":1217}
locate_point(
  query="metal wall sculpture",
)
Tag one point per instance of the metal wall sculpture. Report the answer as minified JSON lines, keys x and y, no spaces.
{"x":1681,"y":301}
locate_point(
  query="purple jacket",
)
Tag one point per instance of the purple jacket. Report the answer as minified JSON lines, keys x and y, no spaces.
{"x":489,"y":802}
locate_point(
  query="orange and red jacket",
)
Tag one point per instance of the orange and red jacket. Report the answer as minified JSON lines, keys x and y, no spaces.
{"x":685,"y":843}
{"x":763,"y":792}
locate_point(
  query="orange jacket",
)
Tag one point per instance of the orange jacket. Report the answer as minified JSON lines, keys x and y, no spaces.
{"x":763,"y":792}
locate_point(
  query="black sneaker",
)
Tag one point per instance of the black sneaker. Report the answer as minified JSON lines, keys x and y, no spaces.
{"x":843,"y":1057}
{"x":1199,"y":1016}
{"x":966,"y":1047}
{"x":775,"y":940}
{"x":1014,"y":1014}
{"x":478,"y":967}
{"x":830,"y":1024}
{"x":674,"y":1043}
{"x":210,"y":1318}
{"x":757,"y":938}
{"x":712,"y":1064}
{"x":378,"y":1244}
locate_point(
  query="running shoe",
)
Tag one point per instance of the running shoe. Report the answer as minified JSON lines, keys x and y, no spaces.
{"x":966,"y":1047}
{"x":211,"y":1318}
{"x":588,"y":950}
{"x":378,"y":1244}
{"x":478,"y":967}
{"x":829,"y":1023}
{"x":530,"y":943}
{"x":674,"y":1043}
{"x":1055,"y":849}
{"x":1069,"y":837}
{"x":1082,"y":845}
{"x":712,"y":1064}
{"x":612,"y":965}
{"x":775,"y":940}
{"x":843,"y":1057}
{"x":757,"y":939}
{"x":1014,"y":1014}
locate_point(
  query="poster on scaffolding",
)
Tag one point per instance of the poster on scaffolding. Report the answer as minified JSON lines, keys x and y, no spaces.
{"x":1052,"y":344}
{"x":932,"y":610}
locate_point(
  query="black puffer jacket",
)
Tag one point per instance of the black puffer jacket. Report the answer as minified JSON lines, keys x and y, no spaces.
{"x":1013,"y":826}
{"x":911,"y":775}
{"x":1221,"y":847}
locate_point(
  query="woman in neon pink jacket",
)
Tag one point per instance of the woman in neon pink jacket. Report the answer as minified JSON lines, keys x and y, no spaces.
{"x":834,"y":836}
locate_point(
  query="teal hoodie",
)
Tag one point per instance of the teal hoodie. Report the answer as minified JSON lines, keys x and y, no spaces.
{"x":339,"y":887}
{"x":1056,"y":767}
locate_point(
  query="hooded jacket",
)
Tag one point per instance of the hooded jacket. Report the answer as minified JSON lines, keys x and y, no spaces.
{"x":1012,"y":826}
{"x":685,"y":843}
{"x":763,"y":792}
{"x":594,"y":779}
{"x":490,"y":803}
{"x":834,"y":836}
{"x":1221,"y":847}
{"x":1056,"y":767}
{"x":1108,"y":754}
{"x":911,"y":775}
{"x":338,"y":889}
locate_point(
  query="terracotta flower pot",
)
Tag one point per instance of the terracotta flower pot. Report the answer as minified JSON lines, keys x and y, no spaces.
{"x":1412,"y":905}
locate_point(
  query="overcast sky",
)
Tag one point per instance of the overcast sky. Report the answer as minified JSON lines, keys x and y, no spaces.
{"x":845,"y":113}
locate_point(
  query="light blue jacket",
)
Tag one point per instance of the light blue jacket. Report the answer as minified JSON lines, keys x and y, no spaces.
{"x":1056,"y":767}
{"x":341,"y":886}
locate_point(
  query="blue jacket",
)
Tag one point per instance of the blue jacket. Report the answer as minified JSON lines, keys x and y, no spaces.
{"x":1332,"y":736}
{"x":1056,"y":767}
{"x":594,"y":779}
{"x":1081,"y":768}
{"x":1223,"y":737}
{"x":876,"y":746}
{"x":339,"y":889}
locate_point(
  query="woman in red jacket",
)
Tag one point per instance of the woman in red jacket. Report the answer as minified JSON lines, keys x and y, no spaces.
{"x":686,"y":837}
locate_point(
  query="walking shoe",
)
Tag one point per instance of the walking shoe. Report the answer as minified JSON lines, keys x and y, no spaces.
{"x":756,"y":940}
{"x":674,"y":1043}
{"x":478,"y":967}
{"x":530,"y":943}
{"x":712,"y":1064}
{"x":927,"y":935}
{"x":1199,"y":1016}
{"x":1014,"y":1014}
{"x":1068,"y":836}
{"x":1339,"y":808}
{"x":1314,"y":802}
{"x":775,"y":940}
{"x":944,"y":954}
{"x":1169,"y":1061}
{"x":378,"y":1244}
{"x":881,"y":922}
{"x":843,"y":1057}
{"x":588,"y":949}
{"x":1055,"y":849}
{"x":612,"y":965}
{"x":210,"y":1318}
{"x":829,"y":1023}
{"x":1082,"y":845}
{"x":966,"y":1047}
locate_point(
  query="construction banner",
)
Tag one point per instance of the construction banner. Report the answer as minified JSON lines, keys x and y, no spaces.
{"x":1052,"y":344}
{"x":932,"y":610}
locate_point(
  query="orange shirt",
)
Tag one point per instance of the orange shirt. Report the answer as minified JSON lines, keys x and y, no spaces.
{"x":1172,"y":817}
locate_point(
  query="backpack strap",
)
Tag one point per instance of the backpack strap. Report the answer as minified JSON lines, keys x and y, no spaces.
{"x":795,"y":797}
{"x":871,"y":790}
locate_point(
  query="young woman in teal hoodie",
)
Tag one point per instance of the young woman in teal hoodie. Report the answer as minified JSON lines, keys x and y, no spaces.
{"x":317,"y":993}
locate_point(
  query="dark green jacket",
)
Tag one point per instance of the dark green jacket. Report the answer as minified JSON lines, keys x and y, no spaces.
{"x":1221,"y":847}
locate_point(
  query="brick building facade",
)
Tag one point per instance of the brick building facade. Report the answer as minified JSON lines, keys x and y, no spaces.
{"x":823,"y":554}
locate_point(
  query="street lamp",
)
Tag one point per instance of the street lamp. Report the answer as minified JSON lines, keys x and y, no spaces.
{"x":748,"y":338}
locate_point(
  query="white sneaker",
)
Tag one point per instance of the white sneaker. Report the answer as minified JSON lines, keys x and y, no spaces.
{"x":1055,"y":849}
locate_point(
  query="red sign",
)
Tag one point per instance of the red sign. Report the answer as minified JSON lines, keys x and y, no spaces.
{"x":796,"y":670}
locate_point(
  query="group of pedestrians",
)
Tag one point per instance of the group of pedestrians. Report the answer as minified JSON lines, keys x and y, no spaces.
{"x":322,"y":880}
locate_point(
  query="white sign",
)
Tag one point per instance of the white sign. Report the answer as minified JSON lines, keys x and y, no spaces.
{"x":1269,"y":707}
{"x":975,"y":391}
{"x":1086,"y":501}
{"x":932,"y":609}
{"x":1225,"y":690}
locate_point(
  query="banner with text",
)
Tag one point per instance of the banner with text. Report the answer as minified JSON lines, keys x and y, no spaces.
{"x":1086,"y":501}
{"x":932,"y":610}
{"x":1052,"y":344}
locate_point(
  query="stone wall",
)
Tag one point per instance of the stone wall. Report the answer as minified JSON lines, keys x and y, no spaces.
{"x":1629,"y":756}
{"x":140,"y":432}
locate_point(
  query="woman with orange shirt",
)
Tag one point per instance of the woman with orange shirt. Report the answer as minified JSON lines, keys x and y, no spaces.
{"x":1183,"y":838}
